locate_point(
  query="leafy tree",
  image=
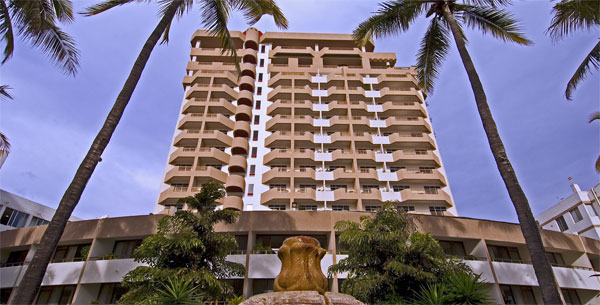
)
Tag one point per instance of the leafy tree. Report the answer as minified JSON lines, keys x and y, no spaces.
{"x":186,"y":248}
{"x":387,"y":262}
{"x":215,"y":14}
{"x":460,"y":288}
{"x":448,"y":17}
{"x":573,"y":15}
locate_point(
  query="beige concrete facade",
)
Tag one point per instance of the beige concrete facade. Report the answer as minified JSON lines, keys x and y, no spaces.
{"x":313,"y":121}
{"x":478,"y":243}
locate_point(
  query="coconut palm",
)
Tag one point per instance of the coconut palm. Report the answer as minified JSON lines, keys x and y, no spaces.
{"x":215,"y":14}
{"x":448,"y":17}
{"x":596,"y":116}
{"x":570,"y":16}
{"x":36,"y":21}
{"x":4,"y":144}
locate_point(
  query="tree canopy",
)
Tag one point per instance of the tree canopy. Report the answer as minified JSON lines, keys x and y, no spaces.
{"x":187,"y":248}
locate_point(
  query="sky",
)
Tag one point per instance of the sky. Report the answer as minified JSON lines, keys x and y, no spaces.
{"x":53,"y":118}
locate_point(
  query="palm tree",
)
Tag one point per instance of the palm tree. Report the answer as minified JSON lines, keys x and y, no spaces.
{"x":596,"y":116}
{"x":4,"y":143}
{"x":36,"y":22}
{"x":215,"y":14}
{"x":572,"y":15}
{"x":448,"y":16}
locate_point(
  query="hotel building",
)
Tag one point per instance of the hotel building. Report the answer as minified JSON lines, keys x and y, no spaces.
{"x":314,"y":130}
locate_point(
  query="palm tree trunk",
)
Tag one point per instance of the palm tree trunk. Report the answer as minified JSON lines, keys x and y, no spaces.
{"x":531,"y":233}
{"x":32,"y":279}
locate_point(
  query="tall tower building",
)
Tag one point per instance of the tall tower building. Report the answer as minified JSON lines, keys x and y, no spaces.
{"x":312,"y":122}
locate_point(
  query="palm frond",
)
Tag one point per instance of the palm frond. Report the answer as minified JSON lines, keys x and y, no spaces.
{"x":104,"y":6}
{"x":573,"y":15}
{"x":253,"y":10}
{"x":591,"y":60}
{"x":27,"y":15}
{"x":598,"y":165}
{"x":434,"y":47}
{"x":4,"y":144}
{"x":499,"y":23}
{"x":6,"y":31}
{"x":494,"y":3}
{"x":391,"y":18}
{"x":4,"y":95}
{"x":63,"y":9}
{"x":594,"y":116}
{"x":215,"y":14}
{"x":59,"y":46}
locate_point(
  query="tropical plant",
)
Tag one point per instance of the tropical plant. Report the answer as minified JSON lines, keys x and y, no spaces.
{"x":4,"y":143}
{"x":177,"y":291}
{"x":186,"y":248}
{"x":387,"y":262}
{"x":570,"y":16}
{"x":460,"y":288}
{"x":215,"y":14}
{"x":596,"y":116}
{"x":448,"y":17}
{"x":36,"y":21}
{"x":235,"y":300}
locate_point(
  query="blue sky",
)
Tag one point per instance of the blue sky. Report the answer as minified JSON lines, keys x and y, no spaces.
{"x":53,"y":118}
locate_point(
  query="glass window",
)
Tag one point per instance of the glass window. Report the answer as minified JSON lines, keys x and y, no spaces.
{"x":110,"y":293}
{"x":555,"y":259}
{"x":562,"y":224}
{"x":453,"y":248}
{"x":71,"y":253}
{"x":277,"y":207}
{"x":399,"y":188}
{"x":256,"y":120}
{"x":16,"y":258}
{"x":56,"y":295}
{"x":429,"y":189}
{"x":254,"y":152}
{"x":340,"y":207}
{"x":255,"y":135}
{"x":408,"y":208}
{"x":257,"y":105}
{"x":338,"y":186}
{"x":436,"y":210}
{"x":260,"y":77}
{"x":250,"y":189}
{"x":503,"y":253}
{"x":571,"y":297}
{"x":592,"y":210}
{"x":36,"y":221}
{"x":259,"y":90}
{"x":371,"y":208}
{"x":262,"y":49}
{"x":13,"y":218}
{"x":5,"y":295}
{"x":125,"y":248}
{"x":308,"y":207}
{"x":252,"y":170}
{"x":576,"y":214}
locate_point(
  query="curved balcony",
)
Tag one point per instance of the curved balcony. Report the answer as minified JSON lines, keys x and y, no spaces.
{"x":240,"y":146}
{"x":370,"y":194}
{"x":233,"y":202}
{"x":248,"y":69}
{"x":424,"y":158}
{"x":247,"y":83}
{"x":182,"y":152}
{"x":241,"y":129}
{"x":215,"y":135}
{"x":305,"y":193}
{"x":421,"y":176}
{"x":345,"y":194}
{"x":280,"y":174}
{"x":367,"y":173}
{"x":340,"y":174}
{"x":252,"y":36}
{"x":249,"y":55}
{"x":238,"y":164}
{"x":243,"y":113}
{"x":246,"y":97}
{"x":212,"y":155}
{"x":275,"y":194}
{"x":235,"y":183}
{"x":421,"y":196}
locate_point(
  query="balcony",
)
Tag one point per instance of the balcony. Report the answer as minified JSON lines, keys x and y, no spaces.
{"x":217,"y":91}
{"x":285,"y":106}
{"x":216,"y":137}
{"x":441,"y":197}
{"x":275,"y":194}
{"x":235,"y":183}
{"x":233,"y":202}
{"x":237,"y":164}
{"x":412,"y":157}
{"x":248,"y":69}
{"x":246,"y":97}
{"x":241,"y":129}
{"x":243,"y":113}
{"x":421,"y":176}
{"x":287,"y":154}
{"x":240,"y":146}
{"x":409,"y":123}
{"x":423,"y":141}
{"x":194,"y":121}
{"x":199,"y":75}
{"x":222,"y":106}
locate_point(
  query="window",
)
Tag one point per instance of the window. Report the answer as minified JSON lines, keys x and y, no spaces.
{"x":408,"y":208}
{"x":453,"y":248}
{"x":279,"y":187}
{"x":555,"y":259}
{"x":371,"y":208}
{"x":420,"y":152}
{"x":260,"y":77}
{"x":334,"y":167}
{"x":308,"y":186}
{"x":503,"y":253}
{"x":110,"y":293}
{"x":36,"y":221}
{"x":562,"y":224}
{"x":72,"y":253}
{"x":435,"y":210}
{"x":426,"y":169}
{"x":338,"y":186}
{"x":14,"y":218}
{"x":5,"y":295}
{"x":513,"y":294}
{"x":56,"y":295}
{"x":16,"y":258}
{"x":394,"y":169}
{"x":340,"y":208}
{"x":250,"y":189}
{"x":262,"y":63}
{"x":576,"y":214}
{"x":256,"y":119}
{"x":255,"y":135}
{"x":257,"y":105}
{"x":125,"y":248}
{"x":431,"y":189}
{"x":571,"y":297}
{"x":258,"y":90}
{"x":592,"y":210}
{"x":367,"y":188}
{"x":399,"y":188}
{"x":277,"y":207}
{"x":252,"y":170}
{"x":308,"y":207}
{"x":254,"y":152}
{"x":262,"y":49}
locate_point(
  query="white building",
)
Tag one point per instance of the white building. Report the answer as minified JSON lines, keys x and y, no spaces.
{"x":576,"y":214}
{"x":18,"y":212}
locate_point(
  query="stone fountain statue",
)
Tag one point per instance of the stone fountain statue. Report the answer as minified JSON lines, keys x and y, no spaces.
{"x":301,"y":280}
